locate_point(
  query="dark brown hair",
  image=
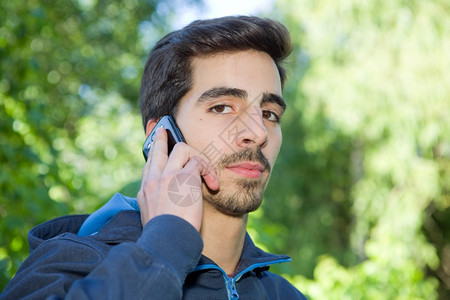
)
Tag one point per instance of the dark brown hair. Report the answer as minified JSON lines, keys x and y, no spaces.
{"x":167,"y":73}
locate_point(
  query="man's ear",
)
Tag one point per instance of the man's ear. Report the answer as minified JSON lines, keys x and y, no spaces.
{"x":150,"y":125}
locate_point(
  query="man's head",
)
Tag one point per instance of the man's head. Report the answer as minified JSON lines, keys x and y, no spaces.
{"x":222,"y":81}
{"x":168,"y":72}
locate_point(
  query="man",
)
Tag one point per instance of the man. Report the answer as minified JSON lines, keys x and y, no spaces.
{"x":222,"y":81}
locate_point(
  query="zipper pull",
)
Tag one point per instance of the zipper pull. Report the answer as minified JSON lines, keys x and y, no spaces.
{"x":233,"y":294}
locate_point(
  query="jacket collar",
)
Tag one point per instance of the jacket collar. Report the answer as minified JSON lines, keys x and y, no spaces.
{"x":252,"y":258}
{"x":53,"y":228}
{"x":105,"y":213}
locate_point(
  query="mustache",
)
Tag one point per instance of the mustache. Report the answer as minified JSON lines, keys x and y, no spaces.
{"x":247,"y":154}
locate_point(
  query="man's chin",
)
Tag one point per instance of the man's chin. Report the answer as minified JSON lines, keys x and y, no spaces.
{"x":231,"y":210}
{"x":238,"y":200}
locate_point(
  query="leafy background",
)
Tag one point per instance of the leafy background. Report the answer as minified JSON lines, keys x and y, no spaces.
{"x":360,"y":195}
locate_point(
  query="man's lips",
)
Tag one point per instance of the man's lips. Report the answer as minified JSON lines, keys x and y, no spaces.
{"x":247,"y":169}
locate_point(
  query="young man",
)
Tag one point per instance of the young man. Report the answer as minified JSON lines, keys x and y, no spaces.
{"x":185,"y":234}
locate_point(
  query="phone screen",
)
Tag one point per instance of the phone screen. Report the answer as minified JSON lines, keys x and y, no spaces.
{"x":173,"y":134}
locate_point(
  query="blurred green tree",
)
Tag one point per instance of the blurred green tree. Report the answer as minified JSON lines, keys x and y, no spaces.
{"x":70,"y":130}
{"x":365,"y":164}
{"x":360,"y":194}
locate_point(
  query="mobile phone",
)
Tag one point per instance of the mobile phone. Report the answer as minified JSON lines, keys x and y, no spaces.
{"x":173,"y":134}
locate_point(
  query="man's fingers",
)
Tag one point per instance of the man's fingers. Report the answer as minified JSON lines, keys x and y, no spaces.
{"x":158,"y":152}
{"x":190,"y":159}
{"x":206,"y":170}
{"x":148,"y":163}
{"x":163,"y":188}
{"x":159,"y":163}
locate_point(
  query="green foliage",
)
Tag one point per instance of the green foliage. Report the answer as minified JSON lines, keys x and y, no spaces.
{"x":361,"y":196}
{"x":70,"y":130}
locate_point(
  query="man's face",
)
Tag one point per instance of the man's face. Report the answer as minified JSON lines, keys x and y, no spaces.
{"x":231,"y":115}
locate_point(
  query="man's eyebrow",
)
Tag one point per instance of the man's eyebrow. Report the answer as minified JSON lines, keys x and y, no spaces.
{"x":273,"y":98}
{"x":218,"y":92}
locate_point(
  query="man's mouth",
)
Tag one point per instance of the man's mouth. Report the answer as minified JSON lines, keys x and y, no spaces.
{"x":247,"y":169}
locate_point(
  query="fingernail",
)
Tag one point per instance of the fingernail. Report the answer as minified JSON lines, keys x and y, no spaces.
{"x":159,"y":130}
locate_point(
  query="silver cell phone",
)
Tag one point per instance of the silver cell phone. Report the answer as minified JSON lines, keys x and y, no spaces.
{"x":173,"y":134}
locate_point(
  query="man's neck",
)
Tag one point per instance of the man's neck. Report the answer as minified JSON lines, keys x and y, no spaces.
{"x":223,"y":237}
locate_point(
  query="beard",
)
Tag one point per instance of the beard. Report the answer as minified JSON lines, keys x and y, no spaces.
{"x":239,"y":196}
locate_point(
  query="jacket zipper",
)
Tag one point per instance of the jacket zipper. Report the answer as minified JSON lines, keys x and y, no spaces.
{"x":231,"y":288}
{"x":230,"y":283}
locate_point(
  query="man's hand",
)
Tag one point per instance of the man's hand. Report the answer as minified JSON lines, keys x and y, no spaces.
{"x":172,"y":184}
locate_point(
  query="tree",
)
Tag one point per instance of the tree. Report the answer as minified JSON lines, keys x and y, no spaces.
{"x":364,"y":169}
{"x":69,"y":125}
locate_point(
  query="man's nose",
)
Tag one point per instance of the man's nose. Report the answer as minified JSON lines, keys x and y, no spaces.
{"x":254,"y":132}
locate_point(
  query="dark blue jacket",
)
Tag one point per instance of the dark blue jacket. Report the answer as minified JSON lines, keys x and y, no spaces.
{"x":125,"y":261}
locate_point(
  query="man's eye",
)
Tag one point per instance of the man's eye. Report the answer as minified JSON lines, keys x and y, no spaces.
{"x":222,"y":109}
{"x":270,"y":116}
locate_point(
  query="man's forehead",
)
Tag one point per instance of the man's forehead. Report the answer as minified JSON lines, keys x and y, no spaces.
{"x":229,"y":58}
{"x":246,"y":75}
